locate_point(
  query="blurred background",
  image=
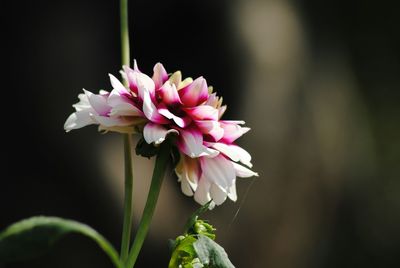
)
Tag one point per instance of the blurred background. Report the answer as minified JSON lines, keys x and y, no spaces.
{"x":318,"y":82}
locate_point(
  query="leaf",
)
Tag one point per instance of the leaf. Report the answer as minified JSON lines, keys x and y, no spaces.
{"x":193,"y":218}
{"x":183,"y":251}
{"x":211,"y":254}
{"x":34,"y":236}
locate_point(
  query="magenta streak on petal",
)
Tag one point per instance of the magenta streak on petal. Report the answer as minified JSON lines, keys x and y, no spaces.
{"x":202,"y":112}
{"x":195,"y":93}
{"x":151,"y":111}
{"x":179,"y":121}
{"x":232,"y":132}
{"x":190,"y":142}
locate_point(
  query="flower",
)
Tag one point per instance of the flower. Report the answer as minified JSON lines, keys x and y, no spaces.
{"x":210,"y":160}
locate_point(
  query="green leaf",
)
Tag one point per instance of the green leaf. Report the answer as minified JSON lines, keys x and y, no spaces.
{"x":211,"y":254}
{"x":34,"y":236}
{"x":183,"y":251}
{"x":193,"y":218}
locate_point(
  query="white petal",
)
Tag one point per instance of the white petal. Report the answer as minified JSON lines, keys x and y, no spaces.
{"x":156,"y":133}
{"x":191,"y":144}
{"x":110,"y":121}
{"x":217,"y":195}
{"x":186,"y":189}
{"x":78,"y":119}
{"x":180,"y":122}
{"x":219,"y":171}
{"x":232,"y":192}
{"x":98,"y":102}
{"x":202,"y":194}
{"x":234,"y":152}
{"x":83,"y":103}
{"x":125,"y":109}
{"x":116,"y":84}
{"x":243,"y":172}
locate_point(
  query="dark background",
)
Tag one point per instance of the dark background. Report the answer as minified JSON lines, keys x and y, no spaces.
{"x":317,"y":81}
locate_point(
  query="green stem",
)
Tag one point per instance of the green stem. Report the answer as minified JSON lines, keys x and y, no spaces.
{"x":124,"y":32}
{"x":126,"y":231}
{"x":125,"y":58}
{"x":158,"y":175}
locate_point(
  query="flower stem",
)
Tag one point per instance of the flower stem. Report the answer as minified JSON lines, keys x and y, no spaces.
{"x":127,"y":225}
{"x":126,"y":230}
{"x":158,"y":175}
{"x":124,"y":32}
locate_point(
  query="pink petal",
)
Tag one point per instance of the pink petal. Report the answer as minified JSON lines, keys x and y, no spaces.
{"x":232,"y":131}
{"x":181,"y":122}
{"x":202,"y":112}
{"x":138,"y":81}
{"x":159,"y":75}
{"x":169,"y":94}
{"x":150,"y":109}
{"x":191,"y":143}
{"x":156,"y":133}
{"x":211,"y":128}
{"x":195,"y":93}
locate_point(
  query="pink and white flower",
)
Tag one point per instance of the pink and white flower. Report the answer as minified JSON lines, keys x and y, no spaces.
{"x":210,"y":161}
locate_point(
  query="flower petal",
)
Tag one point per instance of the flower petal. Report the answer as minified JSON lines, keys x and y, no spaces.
{"x":218,"y":170}
{"x":98,"y":102}
{"x":243,"y":172}
{"x":195,"y":93}
{"x":202,"y":194}
{"x":232,"y":131}
{"x":211,"y":128}
{"x":156,"y":133}
{"x":78,"y":119}
{"x":150,"y":109}
{"x":160,"y":75}
{"x":181,"y":122}
{"x":169,"y":94}
{"x":117,"y":85}
{"x":190,"y":142}
{"x":126,"y":109}
{"x":138,"y":81}
{"x":202,"y":112}
{"x":234,"y":152}
{"x":188,"y":172}
{"x":232,"y":192}
{"x":110,"y":121}
{"x":217,"y":195}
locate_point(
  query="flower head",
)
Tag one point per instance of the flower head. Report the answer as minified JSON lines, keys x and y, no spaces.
{"x":165,"y":104}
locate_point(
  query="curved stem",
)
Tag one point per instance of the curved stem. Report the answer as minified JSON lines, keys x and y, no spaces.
{"x":158,"y":175}
{"x":126,"y":231}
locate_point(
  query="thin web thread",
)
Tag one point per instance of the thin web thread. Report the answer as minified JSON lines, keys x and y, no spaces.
{"x":242,"y":202}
